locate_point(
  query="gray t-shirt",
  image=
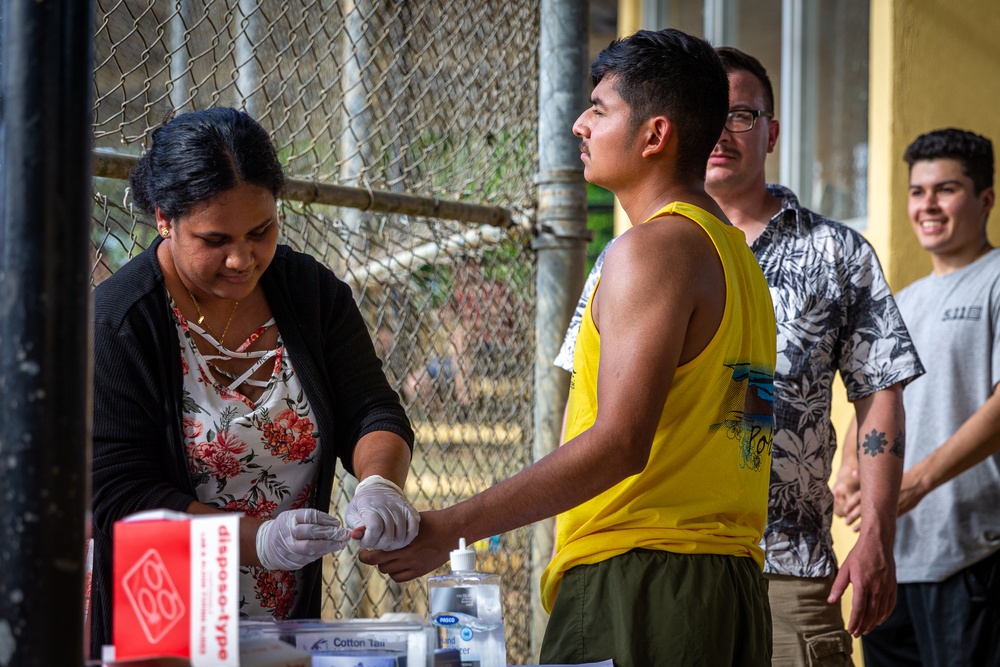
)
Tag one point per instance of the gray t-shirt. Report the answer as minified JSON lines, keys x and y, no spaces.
{"x":955,"y":323}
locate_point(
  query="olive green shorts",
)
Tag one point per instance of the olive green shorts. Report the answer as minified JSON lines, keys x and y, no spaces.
{"x":649,"y":608}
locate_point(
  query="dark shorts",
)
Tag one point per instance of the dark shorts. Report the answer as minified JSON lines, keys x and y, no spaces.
{"x":952,"y":623}
{"x":649,"y":608}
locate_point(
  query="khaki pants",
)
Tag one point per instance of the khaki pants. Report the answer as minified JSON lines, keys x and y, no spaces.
{"x":808,"y":631}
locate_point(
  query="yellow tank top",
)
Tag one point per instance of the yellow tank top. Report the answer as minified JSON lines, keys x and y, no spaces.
{"x":704,"y":489}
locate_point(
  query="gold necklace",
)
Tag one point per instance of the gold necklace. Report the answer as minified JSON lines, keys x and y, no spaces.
{"x":201,"y":318}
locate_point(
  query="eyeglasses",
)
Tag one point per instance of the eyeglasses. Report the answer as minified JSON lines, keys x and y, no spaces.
{"x":743,"y":120}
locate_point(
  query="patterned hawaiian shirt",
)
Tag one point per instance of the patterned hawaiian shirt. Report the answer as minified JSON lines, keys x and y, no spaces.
{"x":258,"y":458}
{"x":834,"y":312}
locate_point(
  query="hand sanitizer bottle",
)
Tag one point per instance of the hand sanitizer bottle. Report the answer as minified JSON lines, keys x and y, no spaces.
{"x":465,"y":606}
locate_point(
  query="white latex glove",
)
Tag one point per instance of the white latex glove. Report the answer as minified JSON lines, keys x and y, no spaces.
{"x":295,"y":538}
{"x":389,"y":519}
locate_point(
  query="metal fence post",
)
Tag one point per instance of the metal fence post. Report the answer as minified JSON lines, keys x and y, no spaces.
{"x":45,"y":87}
{"x":356,"y":128}
{"x":355,"y":133}
{"x":561,"y":240}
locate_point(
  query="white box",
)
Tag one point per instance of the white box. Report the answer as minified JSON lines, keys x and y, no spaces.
{"x":358,"y":660}
{"x":272,"y":653}
{"x":359,"y":638}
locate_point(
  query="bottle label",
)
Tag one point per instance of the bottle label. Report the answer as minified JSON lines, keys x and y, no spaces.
{"x":459,"y":599}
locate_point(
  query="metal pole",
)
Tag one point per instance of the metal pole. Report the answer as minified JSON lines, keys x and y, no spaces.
{"x":109,"y":164}
{"x":357,"y":114}
{"x":45,"y":86}
{"x":562,"y":238}
{"x":179,"y":86}
{"x":354,"y":137}
{"x":247,"y":37}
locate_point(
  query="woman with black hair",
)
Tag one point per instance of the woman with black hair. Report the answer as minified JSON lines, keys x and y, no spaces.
{"x":230,"y":373}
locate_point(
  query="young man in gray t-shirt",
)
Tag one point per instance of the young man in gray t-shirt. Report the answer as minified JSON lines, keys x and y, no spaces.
{"x":948,"y":534}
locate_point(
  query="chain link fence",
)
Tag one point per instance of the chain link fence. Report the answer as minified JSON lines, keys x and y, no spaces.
{"x":435,"y":100}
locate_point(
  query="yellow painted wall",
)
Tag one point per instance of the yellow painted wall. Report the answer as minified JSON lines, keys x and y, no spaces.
{"x":629,"y":16}
{"x":934,"y":64}
{"x":629,"y":20}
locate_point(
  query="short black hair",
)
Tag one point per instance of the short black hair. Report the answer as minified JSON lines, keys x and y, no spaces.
{"x":671,"y":73}
{"x":973,"y":151}
{"x":734,"y":60}
{"x":200,"y":154}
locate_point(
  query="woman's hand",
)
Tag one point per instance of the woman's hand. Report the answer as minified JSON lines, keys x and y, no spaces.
{"x":295,"y":538}
{"x":389,"y":520}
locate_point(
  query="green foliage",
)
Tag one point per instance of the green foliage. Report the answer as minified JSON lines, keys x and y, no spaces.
{"x":504,"y":264}
{"x":507,"y":262}
{"x":600,"y":220}
{"x":492,"y":168}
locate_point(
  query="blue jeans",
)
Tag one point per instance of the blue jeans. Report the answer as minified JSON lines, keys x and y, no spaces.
{"x":953,"y":623}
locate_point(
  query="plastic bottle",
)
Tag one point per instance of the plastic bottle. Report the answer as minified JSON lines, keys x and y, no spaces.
{"x":465,"y":606}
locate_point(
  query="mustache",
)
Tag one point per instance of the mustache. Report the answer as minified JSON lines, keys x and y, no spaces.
{"x":724,"y":152}
{"x":584,"y":148}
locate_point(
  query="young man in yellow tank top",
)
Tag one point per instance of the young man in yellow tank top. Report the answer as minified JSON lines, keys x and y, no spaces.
{"x":661,"y":487}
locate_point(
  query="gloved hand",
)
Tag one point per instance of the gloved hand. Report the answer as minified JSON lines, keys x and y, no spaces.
{"x":389,"y":519}
{"x":295,"y":538}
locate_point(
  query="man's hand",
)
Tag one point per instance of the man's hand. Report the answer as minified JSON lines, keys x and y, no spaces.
{"x":847,"y":496}
{"x":847,"y":488}
{"x":870,"y":568}
{"x":428,"y":551}
{"x":912,"y":490}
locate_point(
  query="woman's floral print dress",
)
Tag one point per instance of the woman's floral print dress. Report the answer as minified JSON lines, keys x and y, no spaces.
{"x":258,"y":458}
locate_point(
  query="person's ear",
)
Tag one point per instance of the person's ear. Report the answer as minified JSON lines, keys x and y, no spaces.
{"x":162,"y":223}
{"x":657,"y":132}
{"x":987,"y":198}
{"x":773,"y":127}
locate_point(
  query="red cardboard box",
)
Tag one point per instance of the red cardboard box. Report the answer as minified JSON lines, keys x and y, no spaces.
{"x":177,"y":587}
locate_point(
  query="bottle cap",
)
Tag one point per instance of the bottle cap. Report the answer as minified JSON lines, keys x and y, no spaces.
{"x":463,"y":559}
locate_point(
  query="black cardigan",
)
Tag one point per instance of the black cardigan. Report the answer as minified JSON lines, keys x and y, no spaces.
{"x":139,"y":460}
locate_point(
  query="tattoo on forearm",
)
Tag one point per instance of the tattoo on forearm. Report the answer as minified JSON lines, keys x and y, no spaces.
{"x":899,"y":445}
{"x":875,"y":443}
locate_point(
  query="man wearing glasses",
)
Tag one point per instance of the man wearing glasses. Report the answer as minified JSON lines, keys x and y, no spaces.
{"x":834,"y":312}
